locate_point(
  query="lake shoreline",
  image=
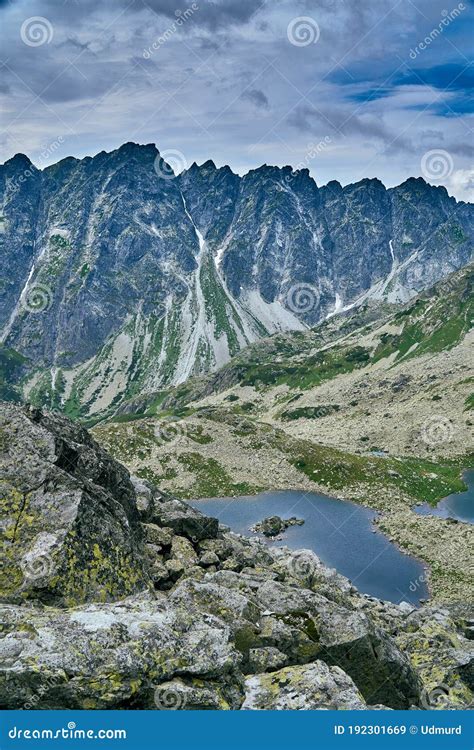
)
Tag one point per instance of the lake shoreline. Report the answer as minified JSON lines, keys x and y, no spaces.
{"x":392,"y":524}
{"x":325,"y":515}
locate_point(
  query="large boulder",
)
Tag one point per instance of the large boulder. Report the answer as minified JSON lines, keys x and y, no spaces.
{"x":111,"y":656}
{"x":310,"y":687}
{"x":70,"y":529}
{"x":304,"y":626}
{"x":442,"y":656}
{"x":183,"y":519}
{"x":348,"y":639}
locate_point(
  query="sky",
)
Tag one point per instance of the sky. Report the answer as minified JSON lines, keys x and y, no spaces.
{"x":347,"y":88}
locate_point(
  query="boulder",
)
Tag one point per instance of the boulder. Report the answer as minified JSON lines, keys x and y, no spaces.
{"x":348,"y":639}
{"x":310,"y":687}
{"x":185,"y":520}
{"x":110,"y":656}
{"x":274,"y":525}
{"x":70,"y":529}
{"x":442,"y":656}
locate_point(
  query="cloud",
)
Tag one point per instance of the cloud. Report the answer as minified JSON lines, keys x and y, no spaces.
{"x":214,"y":13}
{"x":346,"y":123}
{"x":93,"y":84}
{"x":461,"y":184}
{"x":257,"y":98}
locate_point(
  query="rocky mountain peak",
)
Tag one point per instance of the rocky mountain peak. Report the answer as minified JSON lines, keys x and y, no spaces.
{"x":19,"y":161}
{"x":162,"y":278}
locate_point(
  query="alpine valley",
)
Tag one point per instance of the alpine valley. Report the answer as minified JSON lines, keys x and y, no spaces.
{"x":222,"y":336}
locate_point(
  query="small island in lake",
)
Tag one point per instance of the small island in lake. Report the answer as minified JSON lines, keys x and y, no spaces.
{"x":274,"y":525}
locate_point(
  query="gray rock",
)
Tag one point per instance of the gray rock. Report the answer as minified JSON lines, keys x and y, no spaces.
{"x":266,"y":659}
{"x":274,"y":525}
{"x":70,"y":529}
{"x":110,"y":655}
{"x":185,"y":520}
{"x":311,"y":687}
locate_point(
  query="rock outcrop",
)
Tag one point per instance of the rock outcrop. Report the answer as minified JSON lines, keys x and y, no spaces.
{"x":115,"y":595}
{"x":274,"y":525}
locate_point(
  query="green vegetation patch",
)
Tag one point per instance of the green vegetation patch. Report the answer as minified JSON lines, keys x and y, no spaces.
{"x":211,"y":479}
{"x":11,"y":366}
{"x":312,"y":371}
{"x":309,"y":412}
{"x":422,"y":479}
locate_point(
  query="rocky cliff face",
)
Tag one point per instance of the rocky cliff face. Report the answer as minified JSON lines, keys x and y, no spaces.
{"x":150,"y":604}
{"x":118,"y":279}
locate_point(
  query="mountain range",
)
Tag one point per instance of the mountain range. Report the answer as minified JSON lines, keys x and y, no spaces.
{"x":119,"y":278}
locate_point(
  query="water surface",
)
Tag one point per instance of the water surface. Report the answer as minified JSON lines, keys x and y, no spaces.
{"x":460,"y":505}
{"x":341,"y":533}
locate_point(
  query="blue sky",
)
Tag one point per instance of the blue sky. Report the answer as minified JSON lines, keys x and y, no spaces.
{"x":348,"y":89}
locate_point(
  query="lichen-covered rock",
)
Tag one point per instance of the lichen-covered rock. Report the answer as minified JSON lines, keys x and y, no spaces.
{"x":109,"y":655}
{"x":347,"y":639}
{"x":274,"y":525}
{"x":195,"y":694}
{"x":69,"y":524}
{"x":305,"y":626}
{"x":310,"y":687}
{"x":266,"y":659}
{"x":443,"y":658}
{"x":115,"y":595}
{"x":184,"y":520}
{"x":304,"y":567}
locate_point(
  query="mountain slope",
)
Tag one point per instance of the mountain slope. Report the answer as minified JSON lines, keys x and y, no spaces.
{"x":119,"y":278}
{"x":377,"y":411}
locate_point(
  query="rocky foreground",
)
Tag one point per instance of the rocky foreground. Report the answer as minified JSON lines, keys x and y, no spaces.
{"x":116,"y":595}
